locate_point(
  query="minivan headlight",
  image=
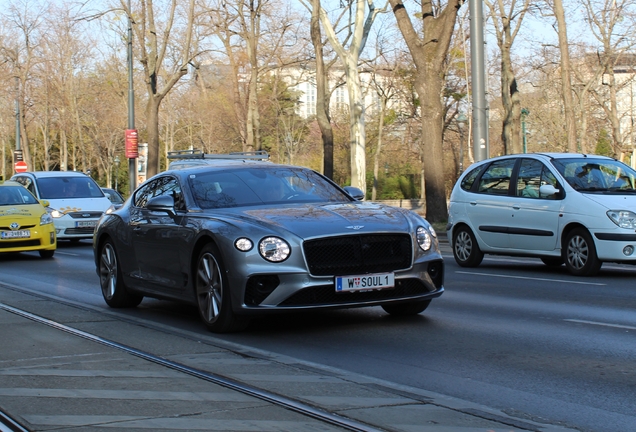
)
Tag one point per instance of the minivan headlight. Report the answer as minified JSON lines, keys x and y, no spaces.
{"x":55,"y":213}
{"x":623,"y":218}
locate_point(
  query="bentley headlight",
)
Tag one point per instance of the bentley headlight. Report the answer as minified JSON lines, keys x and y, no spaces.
{"x":274,"y":249}
{"x":46,"y":219}
{"x":623,"y":218}
{"x":424,"y":239}
{"x":243,"y":244}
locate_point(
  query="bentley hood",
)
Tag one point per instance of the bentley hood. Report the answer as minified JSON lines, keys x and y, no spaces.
{"x":314,"y":220}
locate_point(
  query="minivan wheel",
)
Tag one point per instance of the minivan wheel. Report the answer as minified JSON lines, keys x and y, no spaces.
{"x":580,"y":253}
{"x":465,"y":248}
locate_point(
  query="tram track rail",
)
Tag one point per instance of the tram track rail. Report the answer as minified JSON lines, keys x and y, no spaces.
{"x":231,"y":384}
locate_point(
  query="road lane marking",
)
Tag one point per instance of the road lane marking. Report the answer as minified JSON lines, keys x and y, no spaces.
{"x":531,"y":278}
{"x":601,"y":324}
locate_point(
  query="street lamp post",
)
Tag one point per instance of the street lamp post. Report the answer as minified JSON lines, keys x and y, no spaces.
{"x":461,"y":124}
{"x":524,"y":113}
{"x":116,"y":170}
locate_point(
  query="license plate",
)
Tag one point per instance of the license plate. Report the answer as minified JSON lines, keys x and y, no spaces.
{"x":16,"y":234}
{"x":365,"y":282}
{"x":85,"y":224}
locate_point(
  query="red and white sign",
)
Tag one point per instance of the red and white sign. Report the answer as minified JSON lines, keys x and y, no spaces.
{"x":20,"y":166}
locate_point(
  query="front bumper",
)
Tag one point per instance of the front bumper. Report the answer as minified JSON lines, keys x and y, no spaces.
{"x":68,"y":228}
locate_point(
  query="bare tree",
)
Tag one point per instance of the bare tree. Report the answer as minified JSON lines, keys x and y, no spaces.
{"x":349,"y":51}
{"x":505,"y":14}
{"x":429,"y":49}
{"x":165,"y":52}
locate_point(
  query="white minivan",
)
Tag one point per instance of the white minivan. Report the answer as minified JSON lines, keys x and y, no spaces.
{"x":76,"y":202}
{"x":567,"y":208}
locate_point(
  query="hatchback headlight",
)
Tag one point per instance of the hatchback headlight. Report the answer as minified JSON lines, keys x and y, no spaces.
{"x":424,"y":239}
{"x":274,"y":249}
{"x":623,"y":218}
{"x":46,"y":219}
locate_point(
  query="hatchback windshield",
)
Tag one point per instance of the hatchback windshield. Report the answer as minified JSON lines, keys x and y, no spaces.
{"x":231,"y":188}
{"x":68,"y":187}
{"x":591,"y":174}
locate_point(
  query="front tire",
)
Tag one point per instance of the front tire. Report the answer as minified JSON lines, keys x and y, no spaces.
{"x":46,"y":253}
{"x":111,"y":280}
{"x":406,"y":309}
{"x":580,"y":253}
{"x":213,"y":294}
{"x":465,"y":248}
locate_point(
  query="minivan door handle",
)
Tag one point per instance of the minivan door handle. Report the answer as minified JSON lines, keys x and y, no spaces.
{"x":516,"y":207}
{"x":473,"y":203}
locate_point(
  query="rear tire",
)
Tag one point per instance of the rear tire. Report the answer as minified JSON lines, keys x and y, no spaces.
{"x":213,"y":293}
{"x":406,"y":309}
{"x":465,"y":248}
{"x":579,"y":252}
{"x":114,"y":290}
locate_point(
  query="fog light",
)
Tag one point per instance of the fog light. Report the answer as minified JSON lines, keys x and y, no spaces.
{"x":628,"y":250}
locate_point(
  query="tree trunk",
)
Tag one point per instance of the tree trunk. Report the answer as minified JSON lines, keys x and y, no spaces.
{"x":152,"y":131}
{"x":429,"y":53}
{"x":566,"y":83}
{"x":357,"y":134}
{"x":511,"y":133}
{"x":322,"y":101}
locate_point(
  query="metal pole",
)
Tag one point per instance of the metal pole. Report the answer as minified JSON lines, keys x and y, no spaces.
{"x":132,"y":163}
{"x":481,"y":144}
{"x":524,"y":113}
{"x":17,"y":113}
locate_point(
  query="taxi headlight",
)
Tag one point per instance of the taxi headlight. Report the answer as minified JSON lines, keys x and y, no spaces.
{"x":46,"y":219}
{"x":623,"y":218}
{"x":424,"y":239}
{"x":274,"y":249}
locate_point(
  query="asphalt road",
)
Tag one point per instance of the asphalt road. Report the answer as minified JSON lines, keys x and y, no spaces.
{"x":511,"y":334}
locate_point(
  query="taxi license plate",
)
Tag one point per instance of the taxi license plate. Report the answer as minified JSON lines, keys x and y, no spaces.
{"x":85,"y":224}
{"x":16,"y":234}
{"x":365,"y":282}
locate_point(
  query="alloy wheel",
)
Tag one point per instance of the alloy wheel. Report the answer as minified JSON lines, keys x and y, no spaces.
{"x":108,"y":271}
{"x":578,"y":252}
{"x":209,"y":288}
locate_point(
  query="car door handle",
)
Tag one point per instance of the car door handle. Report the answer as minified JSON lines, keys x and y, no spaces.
{"x":473,"y":203}
{"x":516,"y":207}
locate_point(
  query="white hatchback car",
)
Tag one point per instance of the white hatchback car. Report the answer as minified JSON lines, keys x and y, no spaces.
{"x":76,"y":202}
{"x":567,"y":208}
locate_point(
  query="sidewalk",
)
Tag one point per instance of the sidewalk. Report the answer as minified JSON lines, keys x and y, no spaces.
{"x":53,"y":379}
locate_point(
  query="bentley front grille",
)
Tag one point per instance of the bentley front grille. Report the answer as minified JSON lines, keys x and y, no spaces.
{"x":358,"y":254}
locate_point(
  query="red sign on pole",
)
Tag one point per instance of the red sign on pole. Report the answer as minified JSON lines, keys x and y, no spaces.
{"x":20,"y":167}
{"x":132,"y":144}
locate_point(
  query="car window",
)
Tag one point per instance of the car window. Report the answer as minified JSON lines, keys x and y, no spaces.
{"x":15,"y":195}
{"x":166,"y":185}
{"x":231,"y":188}
{"x":496,"y":178}
{"x":26,"y":182}
{"x":68,"y":187}
{"x":532,"y":175}
{"x":596,"y":174}
{"x":469,"y":179}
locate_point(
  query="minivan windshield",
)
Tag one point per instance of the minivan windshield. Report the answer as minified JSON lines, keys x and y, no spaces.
{"x":68,"y":187}
{"x":597,"y":175}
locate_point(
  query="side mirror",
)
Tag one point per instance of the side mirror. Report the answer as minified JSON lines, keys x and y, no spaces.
{"x":354,"y":192}
{"x":548,"y":190}
{"x":162,"y":203}
{"x":45,"y":203}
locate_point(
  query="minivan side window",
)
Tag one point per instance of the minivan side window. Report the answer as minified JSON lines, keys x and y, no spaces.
{"x":532,"y":175}
{"x":496,"y":179}
{"x":469,"y":179}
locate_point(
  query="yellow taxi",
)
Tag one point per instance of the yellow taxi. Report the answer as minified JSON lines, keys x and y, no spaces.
{"x":25,"y":224}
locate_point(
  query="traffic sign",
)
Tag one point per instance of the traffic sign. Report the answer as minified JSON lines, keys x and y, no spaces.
{"x":20,"y":167}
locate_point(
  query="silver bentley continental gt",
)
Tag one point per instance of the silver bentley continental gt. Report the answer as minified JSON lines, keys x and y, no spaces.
{"x":239,"y":238}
